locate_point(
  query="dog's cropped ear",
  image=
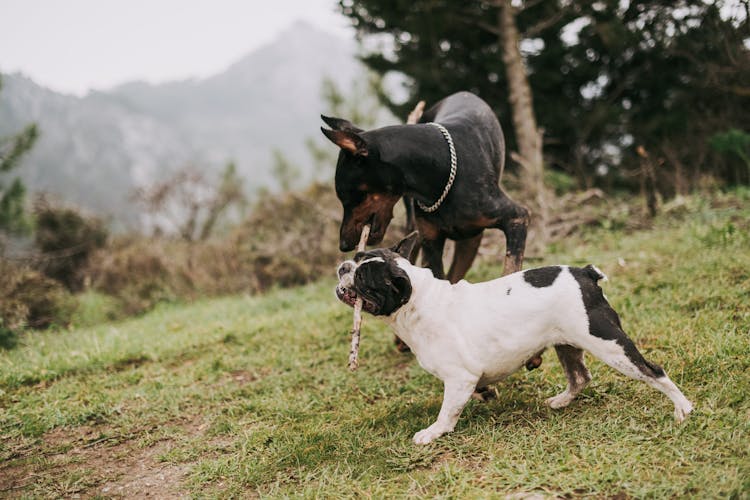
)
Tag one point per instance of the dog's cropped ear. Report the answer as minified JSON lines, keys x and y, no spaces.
{"x":348,"y":141}
{"x":405,"y":247}
{"x":340,"y":124}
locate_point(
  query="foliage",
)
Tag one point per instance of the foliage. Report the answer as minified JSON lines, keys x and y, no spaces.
{"x":606,"y":77}
{"x":190,"y":204}
{"x":143,"y":272}
{"x":735,"y":143}
{"x":284,"y":172}
{"x":286,"y":241}
{"x":66,"y":239}
{"x":30,"y":299}
{"x":250,"y":396}
{"x":12,"y":196}
{"x":291,"y":239}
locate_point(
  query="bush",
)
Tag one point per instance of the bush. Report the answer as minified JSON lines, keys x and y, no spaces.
{"x":142,"y":272}
{"x":139,"y":272}
{"x":28,"y":299}
{"x":288,"y":240}
{"x":291,"y":239}
{"x":66,"y":239}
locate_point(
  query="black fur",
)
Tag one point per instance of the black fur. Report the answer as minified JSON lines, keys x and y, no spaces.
{"x":413,"y":161}
{"x":604,"y":322}
{"x":542,"y":277}
{"x":571,"y":359}
{"x":382,"y":283}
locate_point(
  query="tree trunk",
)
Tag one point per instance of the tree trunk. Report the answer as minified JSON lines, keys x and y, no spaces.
{"x":528,"y":136}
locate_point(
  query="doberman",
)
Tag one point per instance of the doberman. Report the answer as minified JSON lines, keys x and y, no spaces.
{"x":450,"y":163}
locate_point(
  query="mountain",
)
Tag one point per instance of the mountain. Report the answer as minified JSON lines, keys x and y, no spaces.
{"x":95,"y":150}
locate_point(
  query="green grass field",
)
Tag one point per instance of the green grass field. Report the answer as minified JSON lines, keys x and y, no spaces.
{"x":250,"y":396}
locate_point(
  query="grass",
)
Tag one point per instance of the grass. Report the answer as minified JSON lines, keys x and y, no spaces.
{"x":250,"y":396}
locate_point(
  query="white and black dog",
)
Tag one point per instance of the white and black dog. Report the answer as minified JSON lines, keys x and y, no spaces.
{"x":471,"y":335}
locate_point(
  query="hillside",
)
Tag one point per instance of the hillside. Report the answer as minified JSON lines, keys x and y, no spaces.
{"x":247,"y":396}
{"x":94,"y":150}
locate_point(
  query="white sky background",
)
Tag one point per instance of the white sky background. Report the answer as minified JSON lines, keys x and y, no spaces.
{"x":72,"y":46}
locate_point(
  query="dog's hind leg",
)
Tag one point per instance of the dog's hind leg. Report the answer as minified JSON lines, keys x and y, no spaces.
{"x":463,"y":256}
{"x":610,"y":344}
{"x":455,"y":397}
{"x":576,"y":372}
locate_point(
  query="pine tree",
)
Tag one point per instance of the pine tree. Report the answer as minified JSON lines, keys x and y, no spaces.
{"x":606,"y":77}
{"x":13,"y":218}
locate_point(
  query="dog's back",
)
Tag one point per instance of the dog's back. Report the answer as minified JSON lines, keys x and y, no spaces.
{"x":472,"y":123}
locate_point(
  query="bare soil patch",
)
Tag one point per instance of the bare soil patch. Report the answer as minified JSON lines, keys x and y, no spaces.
{"x":91,"y":461}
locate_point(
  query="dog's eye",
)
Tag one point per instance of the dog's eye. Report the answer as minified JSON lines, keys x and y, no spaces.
{"x":345,"y":268}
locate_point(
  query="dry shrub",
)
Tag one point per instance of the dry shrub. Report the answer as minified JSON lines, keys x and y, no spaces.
{"x":66,"y":239}
{"x":292,"y":239}
{"x":134,"y":270}
{"x":143,"y":272}
{"x":30,"y":299}
{"x":288,"y":240}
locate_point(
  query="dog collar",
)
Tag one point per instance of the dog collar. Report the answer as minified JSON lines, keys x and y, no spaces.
{"x":452,"y":175}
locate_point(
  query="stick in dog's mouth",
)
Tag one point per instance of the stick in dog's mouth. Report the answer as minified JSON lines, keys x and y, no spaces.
{"x":357,"y":323}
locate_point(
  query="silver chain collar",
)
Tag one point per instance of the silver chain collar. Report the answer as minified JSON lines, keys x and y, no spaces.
{"x":452,"y":176}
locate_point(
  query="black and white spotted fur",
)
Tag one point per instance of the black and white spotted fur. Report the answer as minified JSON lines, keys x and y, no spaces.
{"x":471,"y":335}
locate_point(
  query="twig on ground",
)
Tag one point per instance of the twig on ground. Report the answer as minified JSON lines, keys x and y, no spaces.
{"x":357,"y":324}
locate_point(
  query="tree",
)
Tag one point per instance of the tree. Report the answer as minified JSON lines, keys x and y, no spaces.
{"x":229,"y":193}
{"x":650,"y":76}
{"x":733,"y":141}
{"x":606,"y":77}
{"x":444,"y":47}
{"x":528,"y":135}
{"x":189,"y":204}
{"x":12,"y":195}
{"x":284,"y":172}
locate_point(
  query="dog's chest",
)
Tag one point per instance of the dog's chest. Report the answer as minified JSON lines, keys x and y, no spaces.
{"x":428,"y":337}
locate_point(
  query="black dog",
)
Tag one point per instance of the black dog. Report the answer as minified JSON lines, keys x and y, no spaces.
{"x":378,"y":167}
{"x":450,"y":163}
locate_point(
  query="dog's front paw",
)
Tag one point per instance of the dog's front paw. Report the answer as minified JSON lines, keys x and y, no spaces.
{"x":681,"y":412}
{"x":428,"y":435}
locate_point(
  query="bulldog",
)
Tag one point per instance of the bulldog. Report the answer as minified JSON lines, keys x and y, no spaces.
{"x":472,"y":335}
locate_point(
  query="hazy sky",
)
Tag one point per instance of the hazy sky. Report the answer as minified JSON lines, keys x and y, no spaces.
{"x":75,"y":45}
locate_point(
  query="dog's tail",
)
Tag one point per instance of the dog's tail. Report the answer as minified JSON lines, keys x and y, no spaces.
{"x":595,"y":273}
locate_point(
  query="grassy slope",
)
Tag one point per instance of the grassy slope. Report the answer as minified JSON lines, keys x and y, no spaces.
{"x":252,"y":396}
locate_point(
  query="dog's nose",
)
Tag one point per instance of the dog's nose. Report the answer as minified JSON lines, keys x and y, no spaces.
{"x":346,"y":246}
{"x":345,"y":268}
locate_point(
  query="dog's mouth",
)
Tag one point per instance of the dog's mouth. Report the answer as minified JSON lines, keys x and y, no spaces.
{"x":348,"y":296}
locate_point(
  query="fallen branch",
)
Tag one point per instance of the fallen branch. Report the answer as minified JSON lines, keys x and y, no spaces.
{"x":357,"y":323}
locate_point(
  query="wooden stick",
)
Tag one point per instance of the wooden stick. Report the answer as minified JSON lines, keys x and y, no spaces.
{"x":416,"y":113}
{"x":413,"y":118}
{"x":357,"y":324}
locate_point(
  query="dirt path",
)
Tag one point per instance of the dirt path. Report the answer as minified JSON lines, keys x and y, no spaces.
{"x":91,"y":461}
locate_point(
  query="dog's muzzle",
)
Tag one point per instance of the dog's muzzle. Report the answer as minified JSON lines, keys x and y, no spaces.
{"x":345,"y":288}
